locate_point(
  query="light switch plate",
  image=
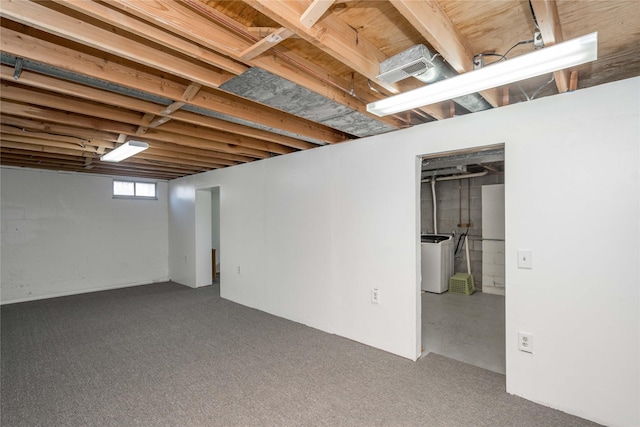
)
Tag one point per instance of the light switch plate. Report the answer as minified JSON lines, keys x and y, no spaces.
{"x":525,"y":258}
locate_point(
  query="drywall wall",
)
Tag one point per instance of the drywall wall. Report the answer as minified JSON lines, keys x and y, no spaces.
{"x":215,"y":223}
{"x":313,"y":232}
{"x":64,"y":233}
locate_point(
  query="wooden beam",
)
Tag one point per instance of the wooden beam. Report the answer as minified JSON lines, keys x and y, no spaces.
{"x":10,"y":141}
{"x":59,"y":24}
{"x":147,"y":121}
{"x":27,"y":46}
{"x":428,"y":17}
{"x":505,"y":96}
{"x":33,"y":112}
{"x":191,"y":91}
{"x":573,"y":81}
{"x":37,"y":97}
{"x":173,"y":107}
{"x":204,"y":25}
{"x":272,"y":141}
{"x":546,"y":12}
{"x":12,"y":130}
{"x":26,"y":139}
{"x":336,"y":38}
{"x":266,"y":43}
{"x":152,"y":33}
{"x":314,"y":12}
{"x":37,"y":125}
{"x":158,"y":121}
{"x":147,"y":118}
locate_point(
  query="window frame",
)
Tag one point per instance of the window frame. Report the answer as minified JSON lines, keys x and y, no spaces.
{"x":134,"y":196}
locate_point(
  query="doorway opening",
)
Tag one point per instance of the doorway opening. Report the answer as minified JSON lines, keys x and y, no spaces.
{"x":461,"y":268}
{"x":208,"y":246}
{"x":215,"y":235}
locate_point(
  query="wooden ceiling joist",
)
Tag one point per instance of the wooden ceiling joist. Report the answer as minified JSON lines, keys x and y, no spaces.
{"x":226,"y":36}
{"x":55,"y":129}
{"x":436,"y":27}
{"x":272,"y":142}
{"x":59,"y":24}
{"x":314,"y":12}
{"x":26,"y":46}
{"x":546,"y":12}
{"x":220,"y":140}
{"x":266,"y":43}
{"x":32,"y":112}
{"x":79,"y":78}
{"x":341,"y":41}
{"x":152,"y":33}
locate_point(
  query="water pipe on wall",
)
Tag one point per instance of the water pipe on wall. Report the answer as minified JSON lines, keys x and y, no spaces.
{"x":435,"y":204}
{"x":433,"y":181}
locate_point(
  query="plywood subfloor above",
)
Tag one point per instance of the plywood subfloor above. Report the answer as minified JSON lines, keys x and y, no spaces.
{"x":212,"y":84}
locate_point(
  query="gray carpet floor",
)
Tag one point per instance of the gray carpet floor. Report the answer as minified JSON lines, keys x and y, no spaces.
{"x":167,"y":355}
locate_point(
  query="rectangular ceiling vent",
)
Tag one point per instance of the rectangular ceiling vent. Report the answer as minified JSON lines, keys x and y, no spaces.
{"x":412,"y":62}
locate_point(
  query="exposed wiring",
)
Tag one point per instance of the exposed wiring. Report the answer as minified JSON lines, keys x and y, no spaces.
{"x":551,"y":80}
{"x":504,"y":55}
{"x":516,"y":45}
{"x":523,"y":92}
{"x":533,"y":15}
{"x":537,"y":91}
{"x":460,"y":240}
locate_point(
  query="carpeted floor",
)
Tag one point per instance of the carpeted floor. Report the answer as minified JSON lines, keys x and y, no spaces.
{"x":168,"y":355}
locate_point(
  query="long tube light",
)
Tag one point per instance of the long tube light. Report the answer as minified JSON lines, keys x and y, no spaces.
{"x":124,"y":151}
{"x":549,"y":59}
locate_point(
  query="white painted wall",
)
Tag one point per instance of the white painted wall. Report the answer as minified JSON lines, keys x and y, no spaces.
{"x":313,"y":232}
{"x":215,"y":223}
{"x":64,"y":234}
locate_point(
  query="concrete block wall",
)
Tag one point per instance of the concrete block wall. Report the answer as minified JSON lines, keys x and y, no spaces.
{"x":448,"y":213}
{"x":493,"y":268}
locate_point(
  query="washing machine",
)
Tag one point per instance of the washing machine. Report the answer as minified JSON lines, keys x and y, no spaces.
{"x":437,"y":262}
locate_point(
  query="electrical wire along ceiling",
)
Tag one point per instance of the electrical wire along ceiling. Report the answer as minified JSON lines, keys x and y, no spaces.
{"x":205,"y":84}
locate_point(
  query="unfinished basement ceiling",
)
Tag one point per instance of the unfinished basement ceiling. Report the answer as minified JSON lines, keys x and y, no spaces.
{"x":212,"y":84}
{"x":263,"y":87}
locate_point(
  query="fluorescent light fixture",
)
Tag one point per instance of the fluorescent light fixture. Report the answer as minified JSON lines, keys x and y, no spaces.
{"x":549,"y":59}
{"x":124,"y":151}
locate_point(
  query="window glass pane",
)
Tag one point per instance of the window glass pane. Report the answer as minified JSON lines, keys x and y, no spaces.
{"x":145,"y":189}
{"x":123,"y":188}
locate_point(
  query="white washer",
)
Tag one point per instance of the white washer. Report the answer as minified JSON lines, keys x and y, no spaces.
{"x":437,"y":262}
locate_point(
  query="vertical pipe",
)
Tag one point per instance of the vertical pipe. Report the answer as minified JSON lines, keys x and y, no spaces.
{"x":466,"y":248}
{"x":433,"y":193}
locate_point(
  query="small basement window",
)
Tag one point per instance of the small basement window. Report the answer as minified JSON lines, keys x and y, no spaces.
{"x":134,"y":190}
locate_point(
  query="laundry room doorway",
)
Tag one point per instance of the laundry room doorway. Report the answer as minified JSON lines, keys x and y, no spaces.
{"x":461,"y":268}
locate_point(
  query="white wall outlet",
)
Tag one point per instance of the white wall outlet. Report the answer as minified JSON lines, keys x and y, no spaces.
{"x":238,"y":269}
{"x":375,"y":296}
{"x":525,"y":342}
{"x":525,"y":258}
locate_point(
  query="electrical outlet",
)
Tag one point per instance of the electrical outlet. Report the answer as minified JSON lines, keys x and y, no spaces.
{"x":525,"y":342}
{"x":375,"y":296}
{"x":238,"y":269}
